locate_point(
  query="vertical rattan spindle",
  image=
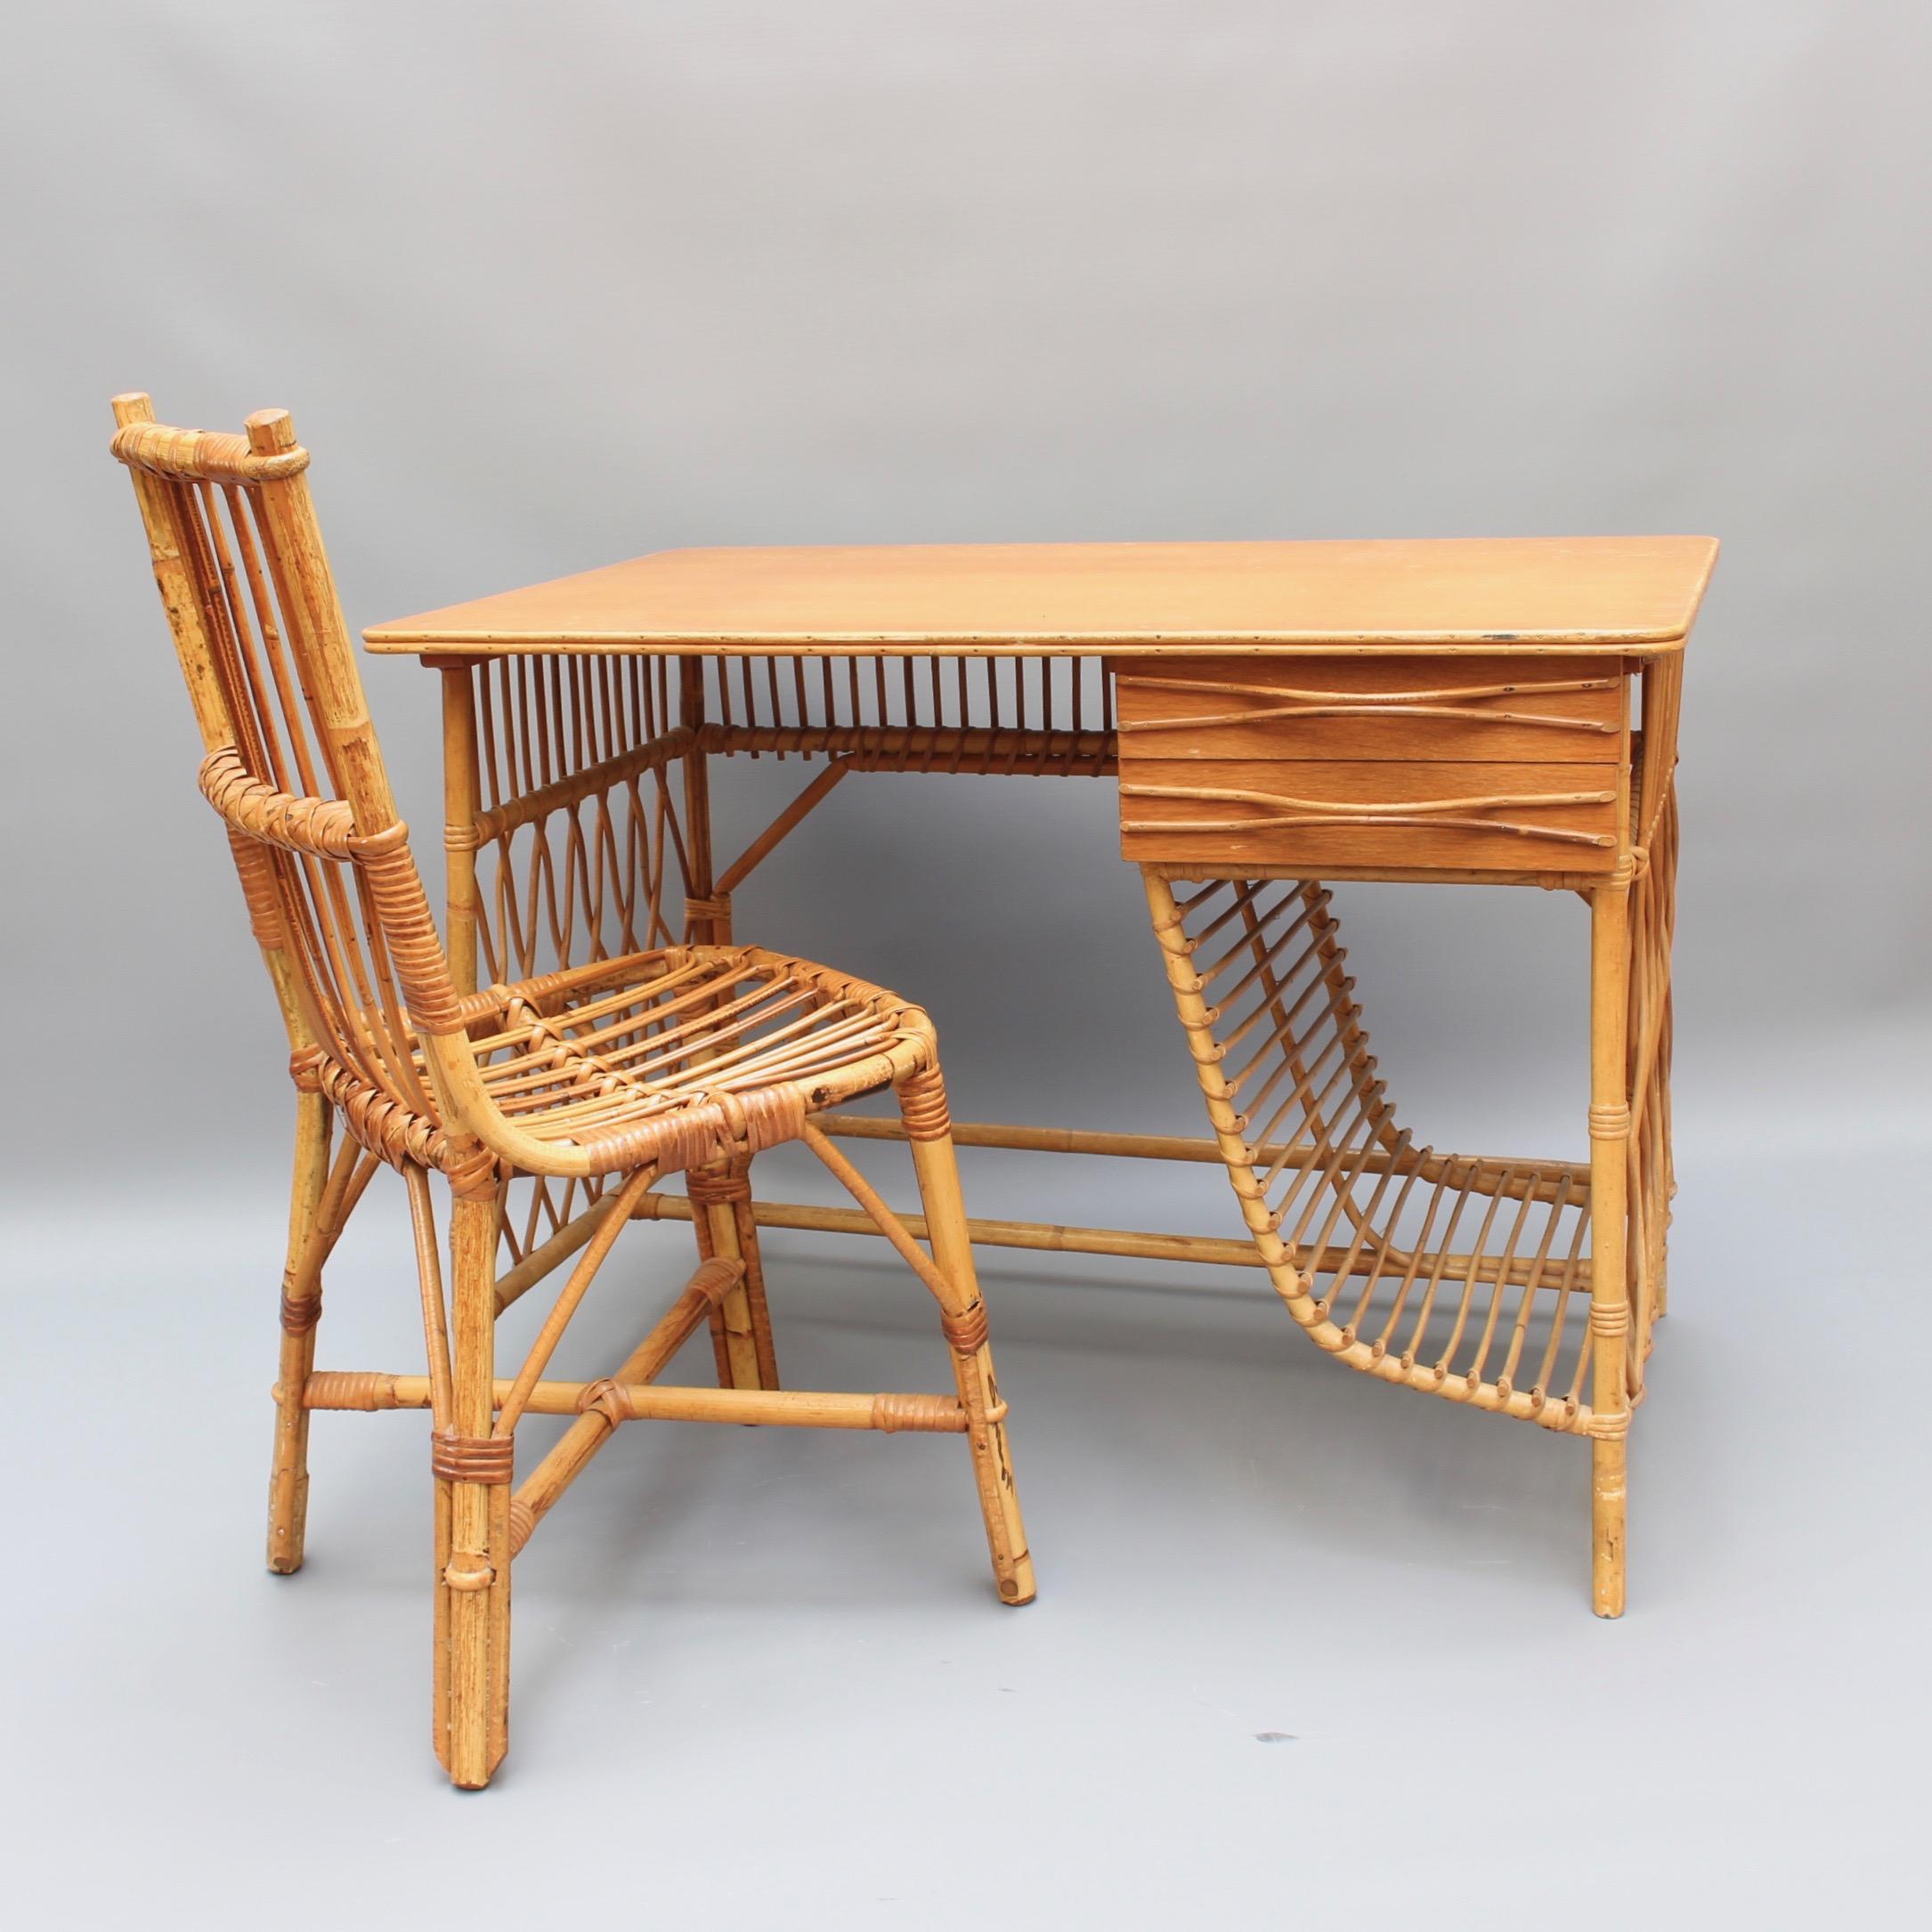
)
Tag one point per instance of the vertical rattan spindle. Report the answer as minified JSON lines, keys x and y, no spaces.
{"x":707,"y":918}
{"x":462,"y":789}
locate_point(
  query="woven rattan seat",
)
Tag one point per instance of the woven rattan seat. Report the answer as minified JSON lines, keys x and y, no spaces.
{"x":683,"y":1055}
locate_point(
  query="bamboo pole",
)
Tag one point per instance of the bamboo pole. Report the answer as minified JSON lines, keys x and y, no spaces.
{"x":716,"y":925}
{"x":574,"y":1452}
{"x":289,"y":1470}
{"x":476,"y":1569}
{"x":461,"y":788}
{"x":1048,"y":1237}
{"x":741,"y":1359}
{"x":1609,"y":1308}
{"x":767,"y":843}
{"x":805,"y":1409}
{"x":937,"y":1173}
{"x":1169,"y":1147}
{"x":552,"y":1253}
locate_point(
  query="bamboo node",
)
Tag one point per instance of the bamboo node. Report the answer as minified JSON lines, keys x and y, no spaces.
{"x":966,"y":1332}
{"x":472,"y":1459}
{"x":468,"y":1570}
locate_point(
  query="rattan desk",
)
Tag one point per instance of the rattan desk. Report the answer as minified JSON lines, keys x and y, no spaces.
{"x":1499,"y":712}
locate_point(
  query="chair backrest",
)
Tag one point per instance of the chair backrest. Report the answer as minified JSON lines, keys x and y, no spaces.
{"x":292,"y":761}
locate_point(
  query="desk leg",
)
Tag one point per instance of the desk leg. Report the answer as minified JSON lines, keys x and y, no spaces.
{"x":1610,"y":1303}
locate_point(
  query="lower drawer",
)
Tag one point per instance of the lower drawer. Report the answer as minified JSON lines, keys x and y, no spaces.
{"x":1337,"y":815}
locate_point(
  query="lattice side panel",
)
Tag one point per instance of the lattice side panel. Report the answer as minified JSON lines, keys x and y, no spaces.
{"x":1466,"y":1277}
{"x":578,"y":848}
{"x":931,"y":713}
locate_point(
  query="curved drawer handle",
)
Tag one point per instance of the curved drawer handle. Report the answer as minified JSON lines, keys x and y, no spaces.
{"x":1277,"y":821}
{"x":1367,"y":808}
{"x":1357,"y":710}
{"x":1448,"y":693}
{"x":1451,"y":702}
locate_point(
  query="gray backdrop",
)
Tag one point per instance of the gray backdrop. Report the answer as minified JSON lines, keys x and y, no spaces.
{"x":545,"y":287}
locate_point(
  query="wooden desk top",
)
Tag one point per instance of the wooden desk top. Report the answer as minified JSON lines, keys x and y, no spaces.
{"x":1542,"y":593}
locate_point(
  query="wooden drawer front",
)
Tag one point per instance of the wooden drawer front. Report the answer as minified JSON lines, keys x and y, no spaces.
{"x":1383,"y":813}
{"x":1543,"y":710}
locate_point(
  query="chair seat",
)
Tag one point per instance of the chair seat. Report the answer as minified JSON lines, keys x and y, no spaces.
{"x":679,"y":1056}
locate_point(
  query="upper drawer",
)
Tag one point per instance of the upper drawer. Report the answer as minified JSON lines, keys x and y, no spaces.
{"x":1549,"y":711}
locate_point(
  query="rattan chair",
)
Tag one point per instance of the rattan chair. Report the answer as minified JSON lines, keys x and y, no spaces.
{"x":614,"y":1074}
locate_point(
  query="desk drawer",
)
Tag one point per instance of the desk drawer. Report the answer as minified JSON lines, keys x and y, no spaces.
{"x":1382,"y":814}
{"x":1540,"y":710}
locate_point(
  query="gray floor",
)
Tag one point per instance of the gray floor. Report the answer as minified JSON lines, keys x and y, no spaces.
{"x":1308,"y":1649}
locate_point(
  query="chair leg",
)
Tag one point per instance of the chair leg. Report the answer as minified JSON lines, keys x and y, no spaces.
{"x":923,"y":1106}
{"x":473,"y":1471}
{"x":741,"y":1324}
{"x":288,"y":1471}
